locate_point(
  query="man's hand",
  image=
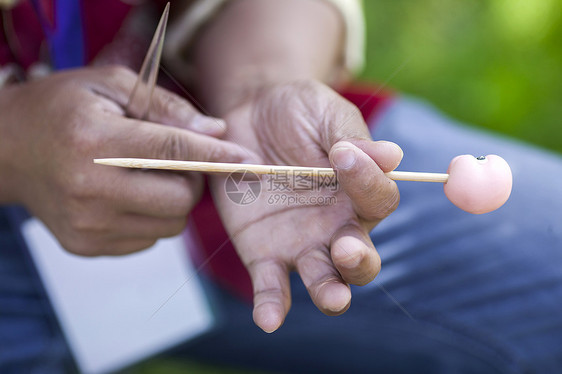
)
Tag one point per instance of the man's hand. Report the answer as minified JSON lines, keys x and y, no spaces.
{"x":52,"y":128}
{"x":306,"y":123}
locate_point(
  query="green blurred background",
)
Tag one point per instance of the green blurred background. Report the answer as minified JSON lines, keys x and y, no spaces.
{"x":495,"y":64}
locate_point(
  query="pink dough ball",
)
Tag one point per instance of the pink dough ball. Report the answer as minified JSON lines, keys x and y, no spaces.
{"x":478,"y":185}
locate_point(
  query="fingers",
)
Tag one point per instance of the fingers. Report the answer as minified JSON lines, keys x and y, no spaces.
{"x":272,"y":293}
{"x":354,"y":255}
{"x":326,"y":288}
{"x":134,"y":226}
{"x":164,"y":142}
{"x":165,"y":107}
{"x":374,"y":196}
{"x":115,"y":248}
{"x":129,"y":211}
{"x":343,"y":121}
{"x":125,"y":247}
{"x":155,"y":194}
{"x":170,"y":109}
{"x":387,"y":155}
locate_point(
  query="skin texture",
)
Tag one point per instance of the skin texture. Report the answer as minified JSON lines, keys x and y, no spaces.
{"x":328,"y":245}
{"x":263,"y":66}
{"x":51,"y":130}
{"x":478,"y":186}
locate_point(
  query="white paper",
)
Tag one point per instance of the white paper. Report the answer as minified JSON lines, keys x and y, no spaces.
{"x":115,"y":311}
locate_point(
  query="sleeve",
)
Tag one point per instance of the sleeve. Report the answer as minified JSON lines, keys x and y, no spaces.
{"x":182,"y":32}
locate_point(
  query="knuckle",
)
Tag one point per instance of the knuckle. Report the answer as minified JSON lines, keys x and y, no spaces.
{"x":165,"y":105}
{"x":183,"y":148}
{"x":264,"y":262}
{"x":82,"y":140}
{"x":214,"y":153}
{"x":78,"y":188}
{"x":316,"y":288}
{"x":168,"y":102}
{"x":171,"y":147}
{"x":82,"y":222}
{"x":117,"y":72}
{"x":270,"y":295}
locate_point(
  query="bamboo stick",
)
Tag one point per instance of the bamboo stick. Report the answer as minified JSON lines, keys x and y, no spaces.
{"x":221,"y":167}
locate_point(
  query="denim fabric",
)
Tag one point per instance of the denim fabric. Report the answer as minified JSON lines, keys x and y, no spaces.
{"x":457,"y":293}
{"x":30,"y":341}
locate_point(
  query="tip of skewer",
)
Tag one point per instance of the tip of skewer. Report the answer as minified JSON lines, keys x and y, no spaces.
{"x":107,"y":161}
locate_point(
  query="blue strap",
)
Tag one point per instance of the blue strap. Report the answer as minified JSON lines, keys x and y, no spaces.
{"x":66,"y":38}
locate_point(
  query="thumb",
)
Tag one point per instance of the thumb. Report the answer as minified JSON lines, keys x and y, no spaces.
{"x":151,"y":140}
{"x":374,"y":195}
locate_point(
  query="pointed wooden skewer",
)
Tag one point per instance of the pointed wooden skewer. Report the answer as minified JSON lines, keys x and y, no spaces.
{"x":221,"y":167}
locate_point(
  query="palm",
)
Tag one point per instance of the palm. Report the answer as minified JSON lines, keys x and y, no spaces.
{"x":274,"y":235}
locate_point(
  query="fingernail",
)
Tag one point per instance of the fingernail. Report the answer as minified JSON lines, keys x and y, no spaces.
{"x":206,"y":124}
{"x":344,"y":158}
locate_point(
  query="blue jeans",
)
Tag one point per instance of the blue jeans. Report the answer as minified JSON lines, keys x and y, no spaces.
{"x":457,"y":293}
{"x":30,"y":340}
